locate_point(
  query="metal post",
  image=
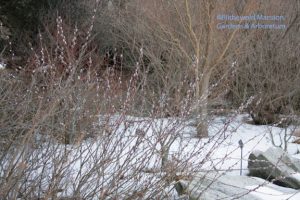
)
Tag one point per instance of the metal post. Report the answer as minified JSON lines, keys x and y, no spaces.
{"x":241,"y":144}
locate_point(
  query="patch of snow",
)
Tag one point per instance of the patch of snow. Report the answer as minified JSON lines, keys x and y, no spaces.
{"x":256,"y":152}
{"x":267,"y":193}
{"x":297,"y":156}
{"x":293,"y":148}
{"x":2,"y":65}
{"x":296,"y":176}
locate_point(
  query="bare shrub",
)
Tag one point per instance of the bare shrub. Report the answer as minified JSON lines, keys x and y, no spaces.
{"x":73,"y":130}
{"x":67,"y":137}
{"x":71,"y":141}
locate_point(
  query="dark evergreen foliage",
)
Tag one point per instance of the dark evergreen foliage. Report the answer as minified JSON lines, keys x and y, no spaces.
{"x":24,"y":18}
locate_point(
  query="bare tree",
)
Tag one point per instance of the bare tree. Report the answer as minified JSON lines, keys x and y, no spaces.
{"x":181,"y":42}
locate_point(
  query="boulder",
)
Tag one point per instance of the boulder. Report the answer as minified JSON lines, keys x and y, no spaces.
{"x":275,"y":165}
{"x":213,"y":185}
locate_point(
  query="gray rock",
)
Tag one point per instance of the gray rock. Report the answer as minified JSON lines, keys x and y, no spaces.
{"x":275,"y":165}
{"x":213,"y":185}
{"x":296,"y":163}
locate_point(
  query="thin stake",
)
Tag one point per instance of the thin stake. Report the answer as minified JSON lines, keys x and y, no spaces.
{"x":241,"y":144}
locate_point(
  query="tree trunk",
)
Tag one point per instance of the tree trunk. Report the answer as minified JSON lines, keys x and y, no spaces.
{"x":202,"y":107}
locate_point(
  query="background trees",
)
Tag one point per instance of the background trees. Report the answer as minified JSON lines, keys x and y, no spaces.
{"x":178,"y":48}
{"x":269,"y":68}
{"x":184,"y":49}
{"x":25,"y":18}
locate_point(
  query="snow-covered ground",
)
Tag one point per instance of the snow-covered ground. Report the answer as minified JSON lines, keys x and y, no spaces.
{"x":227,"y":155}
{"x":267,"y":193}
{"x":131,"y":144}
{"x":221,"y":151}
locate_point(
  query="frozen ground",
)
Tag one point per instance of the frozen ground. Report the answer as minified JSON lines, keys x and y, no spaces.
{"x":227,"y":155}
{"x":221,"y":151}
{"x":130,"y":145}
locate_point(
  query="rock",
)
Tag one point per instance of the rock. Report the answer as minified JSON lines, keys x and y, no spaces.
{"x":275,"y":165}
{"x":296,"y":163}
{"x":213,"y":185}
